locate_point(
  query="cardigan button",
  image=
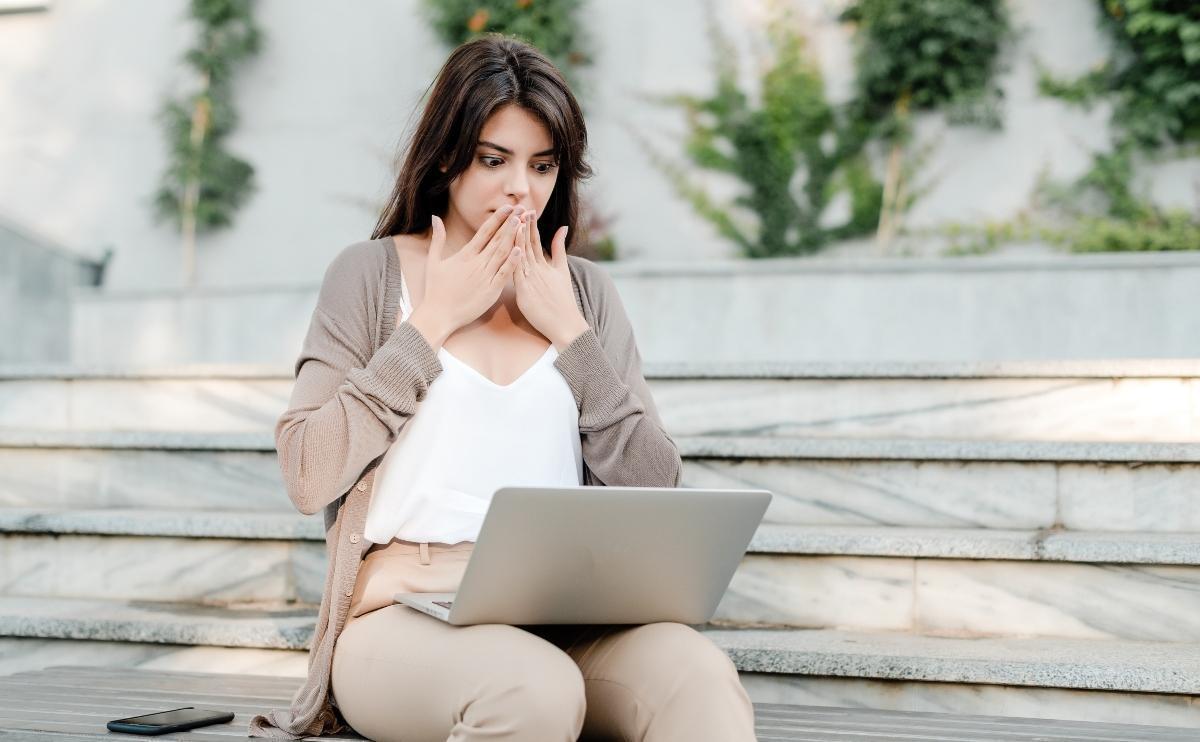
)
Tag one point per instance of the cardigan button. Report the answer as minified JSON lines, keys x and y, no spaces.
{"x":354,"y":538}
{"x":349,"y":593}
{"x":362,"y":487}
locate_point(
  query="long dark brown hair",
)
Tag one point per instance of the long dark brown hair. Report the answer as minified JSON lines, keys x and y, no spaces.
{"x":480,"y":77}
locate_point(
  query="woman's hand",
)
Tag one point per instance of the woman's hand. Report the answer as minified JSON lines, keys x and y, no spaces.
{"x":462,"y":286}
{"x":544,"y":293}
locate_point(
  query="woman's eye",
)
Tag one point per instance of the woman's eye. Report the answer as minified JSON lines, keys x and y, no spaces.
{"x":542,"y":168}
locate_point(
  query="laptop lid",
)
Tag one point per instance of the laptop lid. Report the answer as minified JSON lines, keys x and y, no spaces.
{"x":595,"y":554}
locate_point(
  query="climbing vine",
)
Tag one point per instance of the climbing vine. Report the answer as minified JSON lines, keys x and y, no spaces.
{"x":1152,"y":81}
{"x":549,"y":25}
{"x":923,"y":55}
{"x":793,"y":152}
{"x":796,"y":154}
{"x":203,"y":185}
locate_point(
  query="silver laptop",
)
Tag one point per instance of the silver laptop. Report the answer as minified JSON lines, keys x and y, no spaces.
{"x":601,"y":555}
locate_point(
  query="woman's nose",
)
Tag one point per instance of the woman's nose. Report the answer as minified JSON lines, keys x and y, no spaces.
{"x":518,"y":187}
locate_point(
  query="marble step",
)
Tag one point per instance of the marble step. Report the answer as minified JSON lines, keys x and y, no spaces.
{"x":20,"y":654}
{"x":948,"y":582}
{"x":144,"y":470}
{"x":1117,"y":681}
{"x":268,"y":626}
{"x":267,"y":525}
{"x":771,"y":538}
{"x":1177,"y":452}
{"x":1147,"y":487}
{"x":1133,"y":682}
{"x":1153,"y":667}
{"x":968,"y":583}
{"x":214,"y":571}
{"x":1114,"y":400}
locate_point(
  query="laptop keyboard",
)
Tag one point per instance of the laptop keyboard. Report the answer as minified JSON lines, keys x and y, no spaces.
{"x":444,"y":603}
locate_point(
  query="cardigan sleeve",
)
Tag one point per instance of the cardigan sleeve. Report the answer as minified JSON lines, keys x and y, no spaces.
{"x":348,"y":403}
{"x":622,"y":436}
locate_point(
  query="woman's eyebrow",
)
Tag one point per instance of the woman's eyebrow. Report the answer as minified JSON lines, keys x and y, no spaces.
{"x":508,"y":151}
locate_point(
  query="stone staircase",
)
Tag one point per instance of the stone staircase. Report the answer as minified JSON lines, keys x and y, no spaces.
{"x":1015,"y":539}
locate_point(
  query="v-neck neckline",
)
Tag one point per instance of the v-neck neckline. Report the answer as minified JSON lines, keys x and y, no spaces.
{"x":472,"y":370}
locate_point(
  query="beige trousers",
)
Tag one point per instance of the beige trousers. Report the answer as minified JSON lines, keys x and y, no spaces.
{"x":401,"y":675}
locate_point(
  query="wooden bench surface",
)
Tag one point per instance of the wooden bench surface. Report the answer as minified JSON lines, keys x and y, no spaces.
{"x":74,"y":703}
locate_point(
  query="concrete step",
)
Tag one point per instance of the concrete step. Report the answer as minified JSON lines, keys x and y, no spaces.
{"x":1116,"y":681}
{"x":1090,"y":486}
{"x":946,"y":582}
{"x":1118,"y":400}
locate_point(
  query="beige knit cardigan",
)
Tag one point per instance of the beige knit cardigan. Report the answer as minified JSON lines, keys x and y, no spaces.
{"x":358,"y":382}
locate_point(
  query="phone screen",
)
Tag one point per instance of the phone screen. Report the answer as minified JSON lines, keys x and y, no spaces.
{"x":174,"y":716}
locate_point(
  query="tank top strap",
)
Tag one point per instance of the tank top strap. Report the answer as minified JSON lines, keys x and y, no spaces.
{"x":405,"y":303}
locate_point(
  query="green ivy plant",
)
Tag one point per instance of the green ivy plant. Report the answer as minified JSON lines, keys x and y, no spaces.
{"x":550,"y":25}
{"x":1153,"y":77}
{"x":928,"y":55}
{"x":912,"y":55}
{"x":923,"y":55}
{"x":203,"y":185}
{"x":793,"y":153}
{"x":1152,"y":81}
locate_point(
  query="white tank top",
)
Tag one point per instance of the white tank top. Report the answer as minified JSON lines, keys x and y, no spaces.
{"x":469,"y":437}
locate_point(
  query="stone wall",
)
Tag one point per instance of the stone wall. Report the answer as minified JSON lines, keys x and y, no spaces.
{"x":36,"y":281}
{"x":960,"y":309}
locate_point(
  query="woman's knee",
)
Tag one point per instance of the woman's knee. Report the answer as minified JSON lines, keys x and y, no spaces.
{"x":671,"y":651}
{"x":685,"y":646}
{"x":541,"y":693}
{"x":677,"y":685}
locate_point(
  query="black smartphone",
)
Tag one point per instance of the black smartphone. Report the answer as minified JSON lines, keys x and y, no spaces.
{"x":175,"y":720}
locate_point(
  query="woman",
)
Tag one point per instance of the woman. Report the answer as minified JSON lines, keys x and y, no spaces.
{"x":451,"y":355}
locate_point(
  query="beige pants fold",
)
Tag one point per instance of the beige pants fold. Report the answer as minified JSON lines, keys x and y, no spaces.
{"x":401,"y":675}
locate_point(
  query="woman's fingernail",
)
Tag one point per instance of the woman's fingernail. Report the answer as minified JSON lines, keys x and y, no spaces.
{"x":505,"y":209}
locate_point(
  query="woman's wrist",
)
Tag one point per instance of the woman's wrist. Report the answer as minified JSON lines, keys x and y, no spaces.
{"x":568,"y":333}
{"x":432,"y":326}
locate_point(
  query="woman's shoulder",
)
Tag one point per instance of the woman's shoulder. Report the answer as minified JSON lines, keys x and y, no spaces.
{"x":356,"y":268}
{"x":593,"y":279}
{"x":358,"y":260}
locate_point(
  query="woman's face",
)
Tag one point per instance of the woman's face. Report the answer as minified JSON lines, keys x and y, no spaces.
{"x":514,"y":164}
